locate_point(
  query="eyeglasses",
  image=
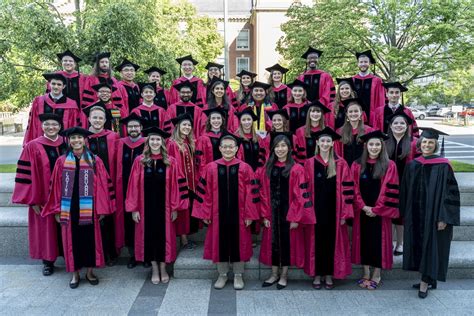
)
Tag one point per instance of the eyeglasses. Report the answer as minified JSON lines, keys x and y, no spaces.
{"x":105,"y":91}
{"x":133,"y":126}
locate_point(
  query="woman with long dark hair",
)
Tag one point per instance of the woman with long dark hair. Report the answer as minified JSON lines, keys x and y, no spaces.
{"x":156,"y":192}
{"x":345,"y":91}
{"x":181,"y":146}
{"x":242,"y":95}
{"x":305,"y":144}
{"x":217,"y":98}
{"x":252,"y":149}
{"x":328,"y":251}
{"x":79,"y":197}
{"x":401,"y":148}
{"x":215,"y":72}
{"x":296,"y":104}
{"x":279,"y":92}
{"x":285,"y":207}
{"x":350,"y":146}
{"x":376,"y":194}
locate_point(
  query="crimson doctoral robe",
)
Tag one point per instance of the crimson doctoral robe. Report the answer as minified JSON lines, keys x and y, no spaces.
{"x":197,"y":98}
{"x":154,"y":116}
{"x":33,"y":175}
{"x":90,"y":95}
{"x":304,"y":147}
{"x":75,"y":83}
{"x":381,"y":121}
{"x":101,"y":206}
{"x":130,"y":94}
{"x":227,"y":195}
{"x":321,"y":86}
{"x":281,"y":95}
{"x":178,"y":108}
{"x":370,"y":90}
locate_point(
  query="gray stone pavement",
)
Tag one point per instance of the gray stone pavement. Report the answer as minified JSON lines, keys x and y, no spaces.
{"x":24,"y":291}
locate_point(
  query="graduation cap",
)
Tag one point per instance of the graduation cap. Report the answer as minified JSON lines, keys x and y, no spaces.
{"x":216,"y":79}
{"x":298,"y":83}
{"x":184,"y":84}
{"x":274,"y":135}
{"x":228,"y":135}
{"x":182,"y":117}
{"x":219,"y":110}
{"x":408,"y":119}
{"x":99,"y":56}
{"x":102,"y":85}
{"x":125,"y":63}
{"x":77,"y":130}
{"x":155,"y":130}
{"x":50,"y":116}
{"x":327,"y":131}
{"x":346,"y":102}
{"x":373,"y":134}
{"x":247,"y":111}
{"x":318,"y":104}
{"x":432,"y":133}
{"x":132,"y":117}
{"x":367,"y":53}
{"x":149,"y":85}
{"x":57,"y":76}
{"x":211,"y":64}
{"x":259,"y":84}
{"x":311,"y":50}
{"x":180,"y":60}
{"x":396,"y":84}
{"x":100,"y":104}
{"x":349,"y":81}
{"x":67,"y":52}
{"x":277,"y":67}
{"x":246,"y":73}
{"x":155,"y":69}
{"x":282,"y":112}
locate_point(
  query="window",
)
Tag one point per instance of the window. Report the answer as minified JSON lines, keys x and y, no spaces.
{"x":242,"y":63}
{"x":243,"y":40}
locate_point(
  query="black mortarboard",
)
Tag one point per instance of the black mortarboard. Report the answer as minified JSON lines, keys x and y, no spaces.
{"x":219,"y":110}
{"x":408,"y":119}
{"x":155,"y":69}
{"x":374,"y":134}
{"x":346,"y":102}
{"x":188,"y":57}
{"x":155,"y":130}
{"x":282,"y":112}
{"x":216,"y":79}
{"x":211,"y":64}
{"x":77,"y":130}
{"x":327,"y":131}
{"x":367,"y":53}
{"x":150,"y":85}
{"x":100,"y":104}
{"x":99,"y":56}
{"x":186,"y":83}
{"x":249,"y":111}
{"x":277,"y":67}
{"x":259,"y":84}
{"x":182,"y":117}
{"x":350,"y":81}
{"x":102,"y":85}
{"x":318,"y":104}
{"x":298,"y":83}
{"x":57,"y":76}
{"x":67,"y":52}
{"x":311,"y":50}
{"x":132,"y":117}
{"x":50,"y":116}
{"x":396,"y":84}
{"x":431,"y":133}
{"x":288,"y":135}
{"x":229,"y":135}
{"x":125,"y":63}
{"x":245,"y":72}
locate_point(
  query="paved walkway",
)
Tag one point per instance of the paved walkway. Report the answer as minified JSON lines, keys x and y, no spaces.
{"x":24,"y":291}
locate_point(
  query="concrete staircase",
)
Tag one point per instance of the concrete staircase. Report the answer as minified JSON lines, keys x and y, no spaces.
{"x":190,"y":265}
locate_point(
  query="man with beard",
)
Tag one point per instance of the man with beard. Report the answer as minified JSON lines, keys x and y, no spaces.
{"x":102,"y":73}
{"x":321,"y":84}
{"x":129,"y":89}
{"x":186,"y":89}
{"x":127,"y":149}
{"x":368,"y":86}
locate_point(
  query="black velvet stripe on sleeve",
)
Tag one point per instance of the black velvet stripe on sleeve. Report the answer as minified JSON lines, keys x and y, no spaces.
{"x":23,"y":171}
{"x":393,"y":186}
{"x":24,"y":163}
{"x":21,"y":180}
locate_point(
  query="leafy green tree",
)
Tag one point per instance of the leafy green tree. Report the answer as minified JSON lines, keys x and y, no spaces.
{"x":148,"y":32}
{"x":409,"y":38}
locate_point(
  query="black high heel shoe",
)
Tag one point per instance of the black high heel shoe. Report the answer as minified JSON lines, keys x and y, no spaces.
{"x":423,"y":294}
{"x":268,"y":284}
{"x":432,"y":286}
{"x":74,"y":285}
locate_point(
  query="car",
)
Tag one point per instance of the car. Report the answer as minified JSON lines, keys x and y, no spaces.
{"x":419,"y":115}
{"x":443,"y":111}
{"x":432,"y":111}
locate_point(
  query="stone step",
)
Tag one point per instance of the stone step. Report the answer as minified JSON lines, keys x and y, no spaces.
{"x":190,"y":265}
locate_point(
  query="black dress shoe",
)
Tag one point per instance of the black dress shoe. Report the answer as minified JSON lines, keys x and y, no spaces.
{"x":75,"y":284}
{"x":423,"y":294}
{"x":48,"y":270}
{"x":268,"y":284}
{"x":431,"y":286}
{"x":280,"y":286}
{"x":397,"y":253}
{"x":132,"y":263}
{"x":93,"y":281}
